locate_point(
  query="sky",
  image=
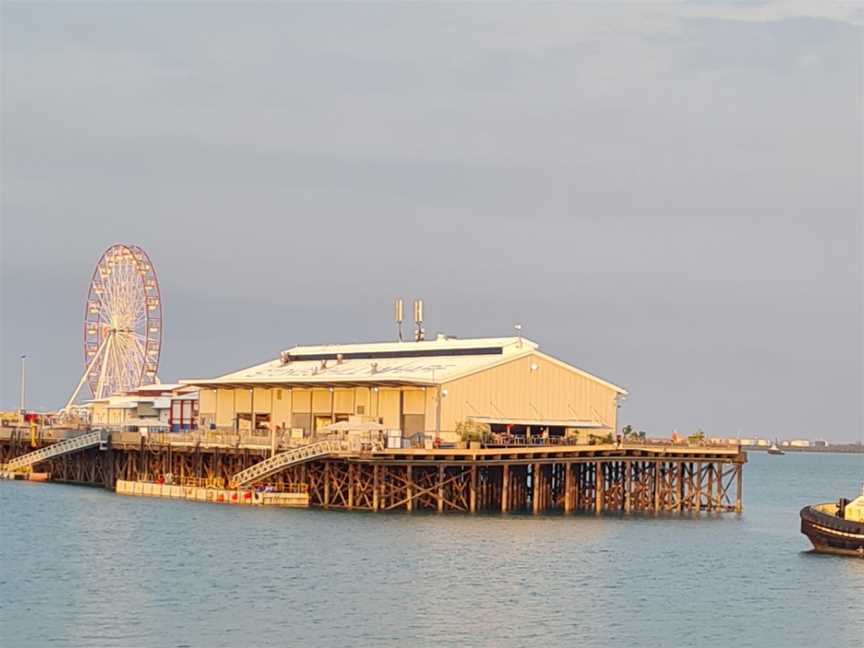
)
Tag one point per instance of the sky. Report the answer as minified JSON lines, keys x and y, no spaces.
{"x":666,"y":195}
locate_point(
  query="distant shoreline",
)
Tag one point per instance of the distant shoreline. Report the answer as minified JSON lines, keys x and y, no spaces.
{"x":848,"y":448}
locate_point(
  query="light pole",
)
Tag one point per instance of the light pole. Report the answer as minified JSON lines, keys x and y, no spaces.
{"x":23,"y":384}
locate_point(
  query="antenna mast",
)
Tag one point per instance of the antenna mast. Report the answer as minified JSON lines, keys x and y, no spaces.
{"x":420,"y":332}
{"x":399,"y":314}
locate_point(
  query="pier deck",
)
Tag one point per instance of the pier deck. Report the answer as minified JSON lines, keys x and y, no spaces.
{"x":588,"y":478}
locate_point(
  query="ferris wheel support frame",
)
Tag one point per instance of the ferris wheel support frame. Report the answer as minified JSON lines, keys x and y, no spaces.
{"x":109,"y":343}
{"x":87,"y":370}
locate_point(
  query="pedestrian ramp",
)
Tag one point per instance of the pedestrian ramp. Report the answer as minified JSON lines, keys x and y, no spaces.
{"x":75,"y":444}
{"x":283,"y":460}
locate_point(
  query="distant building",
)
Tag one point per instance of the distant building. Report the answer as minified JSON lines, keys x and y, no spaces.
{"x":800,"y":443}
{"x":149,"y":408}
{"x":763,"y":443}
{"x":820,"y":443}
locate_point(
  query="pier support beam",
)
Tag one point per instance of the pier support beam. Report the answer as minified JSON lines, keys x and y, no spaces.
{"x":473,"y":488}
{"x":409,"y":503}
{"x":628,"y":484}
{"x":505,"y":488}
{"x":739,"y":485}
{"x":598,"y":487}
{"x":698,"y":486}
{"x":536,"y":488}
{"x":568,"y":488}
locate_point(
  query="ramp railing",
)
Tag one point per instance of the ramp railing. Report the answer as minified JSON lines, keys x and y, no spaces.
{"x":274,"y":464}
{"x":74,"y":444}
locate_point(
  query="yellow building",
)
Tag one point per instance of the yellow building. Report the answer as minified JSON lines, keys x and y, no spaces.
{"x":416,"y":387}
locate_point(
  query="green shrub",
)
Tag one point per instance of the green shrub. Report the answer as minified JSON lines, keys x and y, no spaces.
{"x":473,"y":431}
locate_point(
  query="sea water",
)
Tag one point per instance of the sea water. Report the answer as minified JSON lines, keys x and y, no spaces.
{"x":81,"y":566}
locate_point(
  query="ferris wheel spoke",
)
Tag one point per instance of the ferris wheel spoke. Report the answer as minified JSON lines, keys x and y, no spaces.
{"x":131,"y":347}
{"x":103,"y":366}
{"x":140,"y":347}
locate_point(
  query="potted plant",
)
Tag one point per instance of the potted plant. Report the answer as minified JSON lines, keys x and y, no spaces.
{"x":473,"y":434}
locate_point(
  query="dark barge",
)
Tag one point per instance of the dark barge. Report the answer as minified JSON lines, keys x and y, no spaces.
{"x":832,"y":530}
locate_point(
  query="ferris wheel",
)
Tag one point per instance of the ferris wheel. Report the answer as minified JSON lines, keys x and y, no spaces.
{"x":122,"y":324}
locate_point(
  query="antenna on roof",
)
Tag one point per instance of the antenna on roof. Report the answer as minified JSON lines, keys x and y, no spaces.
{"x":399,"y":313}
{"x":420,"y":332}
{"x":518,"y":328}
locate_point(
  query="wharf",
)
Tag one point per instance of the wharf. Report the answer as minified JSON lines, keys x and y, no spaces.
{"x":569,"y":478}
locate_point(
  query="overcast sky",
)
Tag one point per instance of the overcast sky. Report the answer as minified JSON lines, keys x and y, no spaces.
{"x":666,"y":195}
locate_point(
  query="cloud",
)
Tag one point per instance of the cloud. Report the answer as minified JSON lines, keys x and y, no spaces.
{"x":775,"y":10}
{"x":670,"y":202}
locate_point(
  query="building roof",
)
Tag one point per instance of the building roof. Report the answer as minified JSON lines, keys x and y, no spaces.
{"x":427,"y":363}
{"x":131,"y":402}
{"x":155,"y":387}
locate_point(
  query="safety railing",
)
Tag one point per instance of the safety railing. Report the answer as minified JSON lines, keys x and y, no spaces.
{"x":274,"y":464}
{"x":75,"y":444}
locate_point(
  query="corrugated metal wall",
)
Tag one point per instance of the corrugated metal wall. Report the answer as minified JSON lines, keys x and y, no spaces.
{"x":514,"y":390}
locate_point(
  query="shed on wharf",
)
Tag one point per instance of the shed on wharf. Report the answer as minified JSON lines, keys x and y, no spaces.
{"x":426,"y":388}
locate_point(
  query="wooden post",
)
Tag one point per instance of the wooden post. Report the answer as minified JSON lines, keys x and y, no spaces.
{"x":628,"y":484}
{"x":473,"y":494}
{"x":657,"y":466}
{"x":598,"y":487}
{"x":699,"y":487}
{"x":326,"y":484}
{"x":568,"y":488}
{"x":535,"y":488}
{"x":680,"y":487}
{"x":577,"y":486}
{"x":409,"y":504}
{"x":719,"y":505}
{"x":739,"y":484}
{"x":441,"y":488}
{"x":505,"y":488}
{"x":375,"y":503}
{"x":350,"y":486}
{"x":108,"y":472}
{"x":715,"y":476}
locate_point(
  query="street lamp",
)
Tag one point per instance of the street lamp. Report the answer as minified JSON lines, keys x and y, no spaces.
{"x":23,"y":384}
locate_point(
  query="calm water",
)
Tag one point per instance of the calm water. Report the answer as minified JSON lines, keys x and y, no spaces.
{"x":83,"y":567}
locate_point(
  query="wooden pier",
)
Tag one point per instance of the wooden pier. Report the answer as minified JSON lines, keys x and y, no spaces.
{"x":596,"y":478}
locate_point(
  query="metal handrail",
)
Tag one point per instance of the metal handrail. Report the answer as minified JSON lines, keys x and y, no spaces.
{"x":56,"y":449}
{"x":283,"y":460}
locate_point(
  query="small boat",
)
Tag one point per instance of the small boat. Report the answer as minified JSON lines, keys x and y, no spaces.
{"x":836,"y":528}
{"x":775,"y":449}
